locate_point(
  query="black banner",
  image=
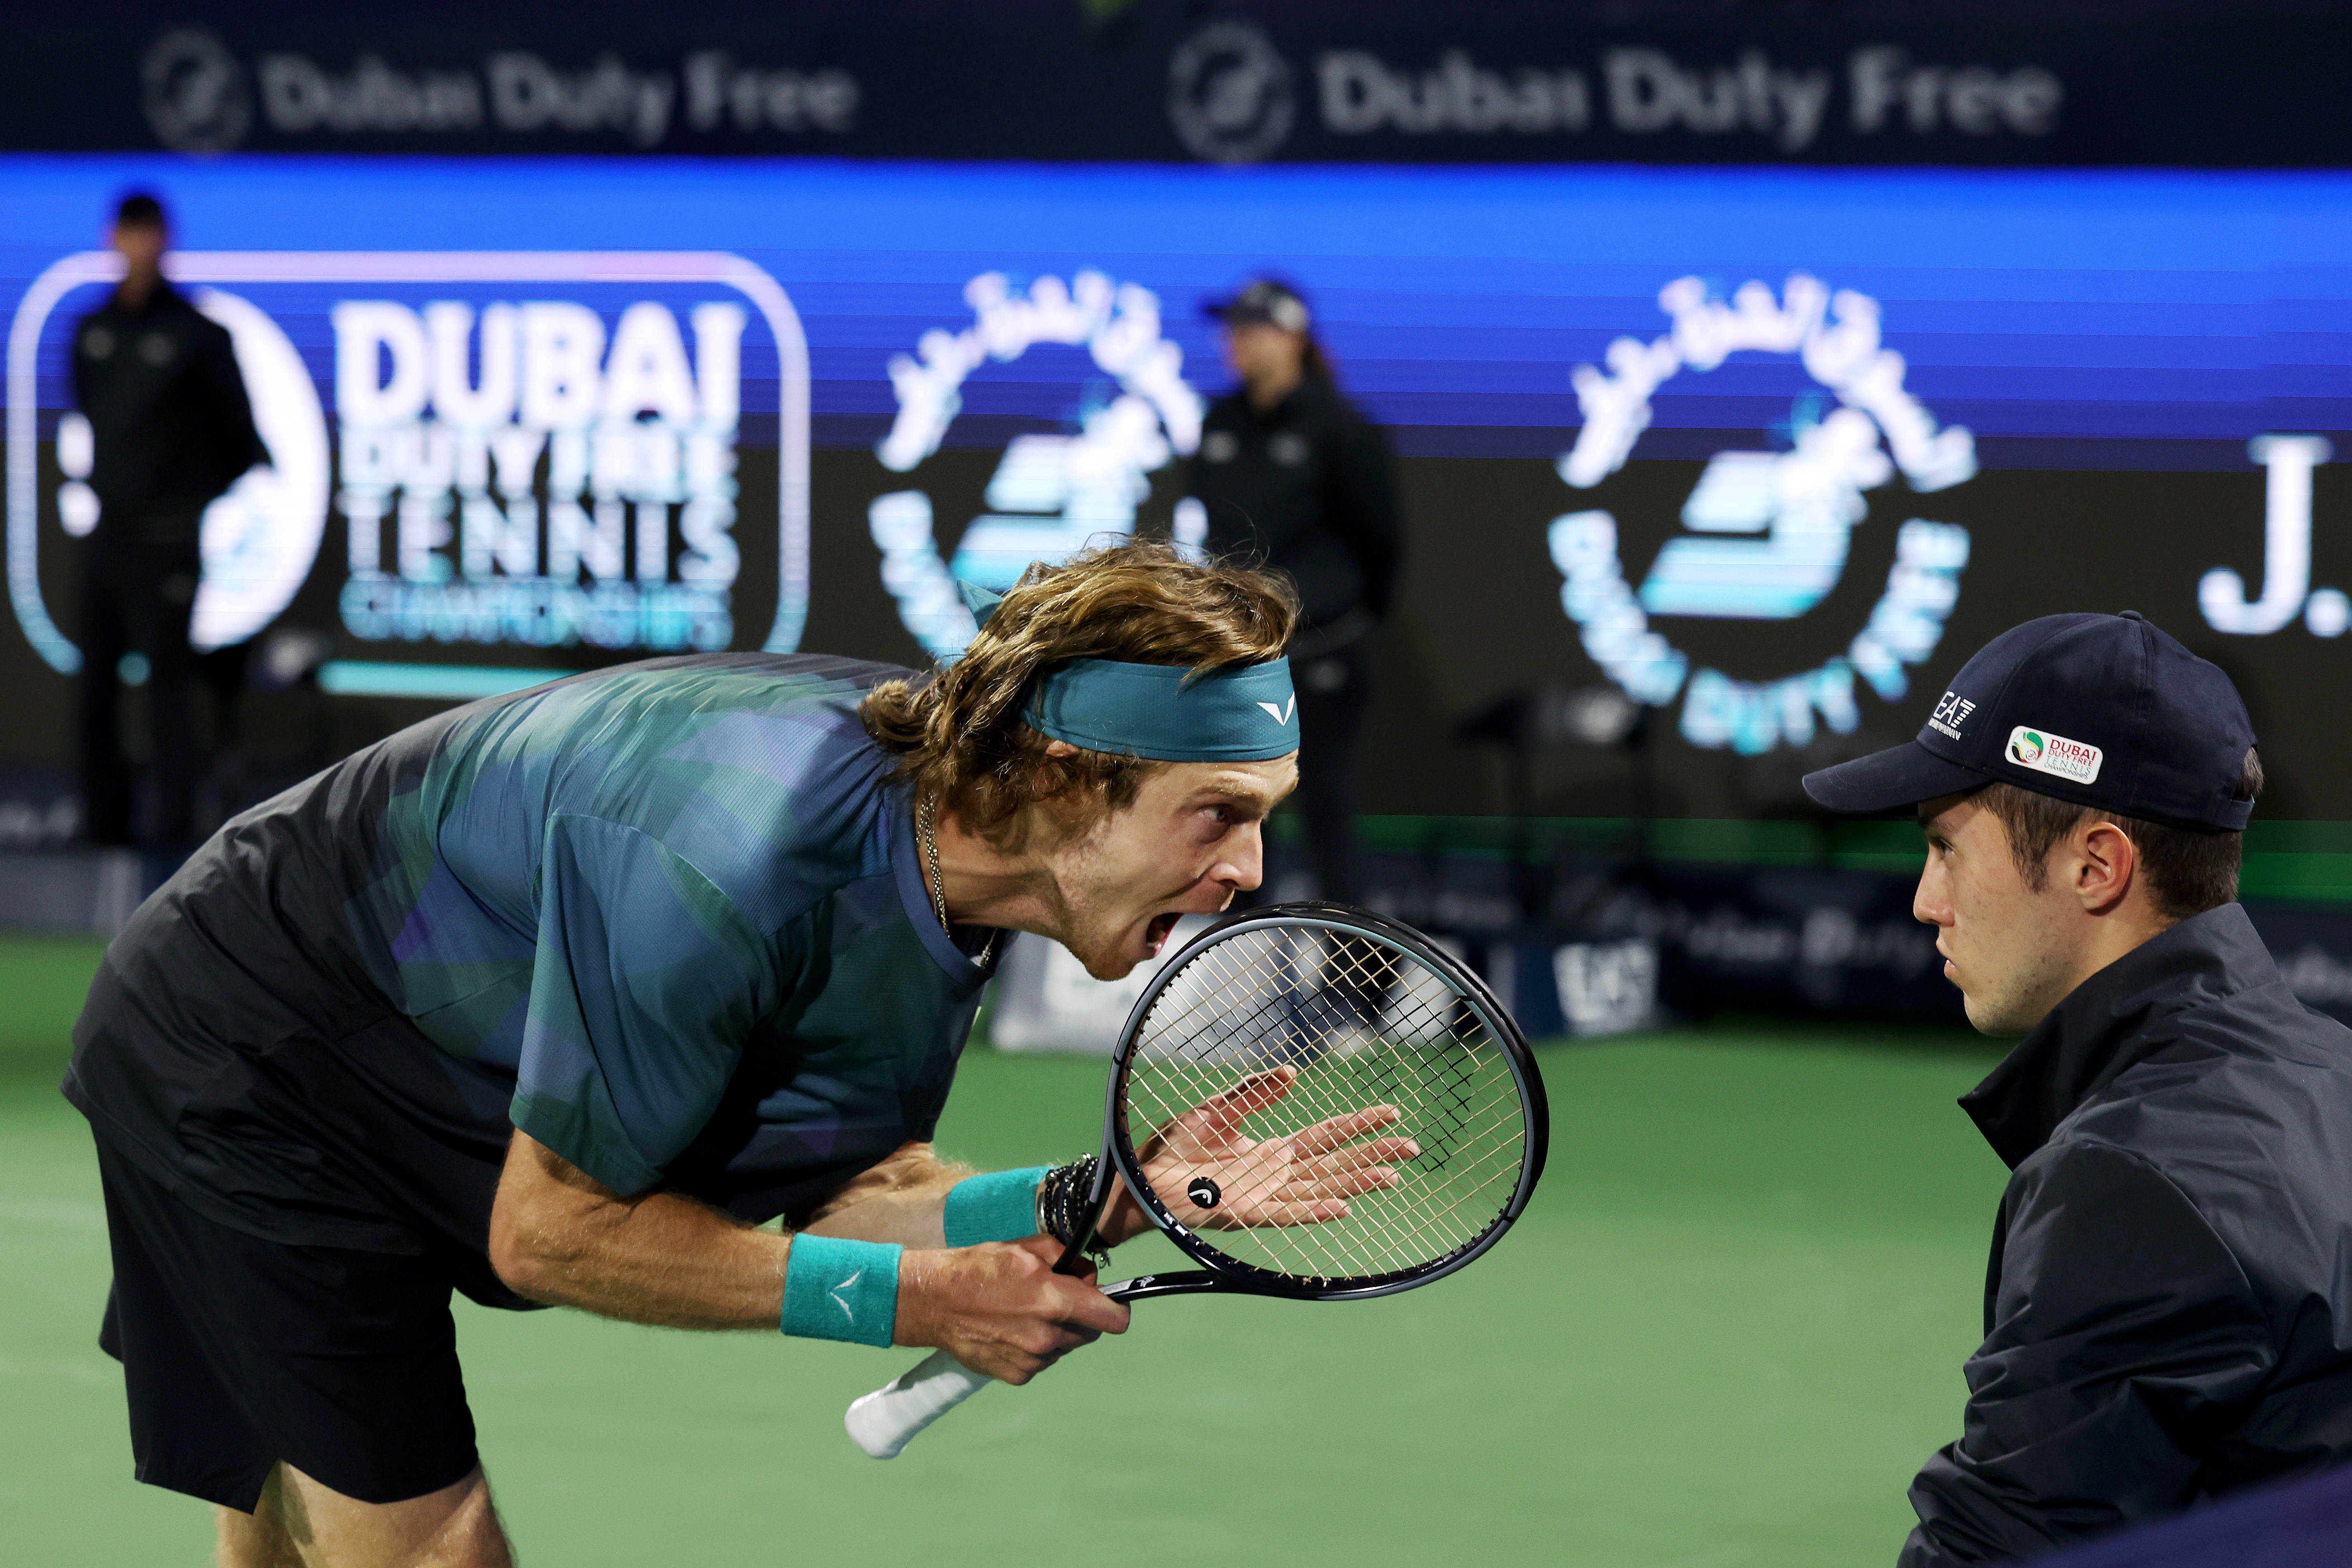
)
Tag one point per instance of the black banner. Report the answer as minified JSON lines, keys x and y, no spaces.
{"x":2254,"y":84}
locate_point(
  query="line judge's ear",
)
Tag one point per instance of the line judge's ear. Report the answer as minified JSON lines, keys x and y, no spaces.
{"x":2107,"y":868}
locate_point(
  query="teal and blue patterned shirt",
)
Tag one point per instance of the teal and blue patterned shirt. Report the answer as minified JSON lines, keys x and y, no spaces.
{"x":667,"y":918}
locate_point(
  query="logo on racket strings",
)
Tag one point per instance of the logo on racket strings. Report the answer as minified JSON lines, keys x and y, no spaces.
{"x":1204,"y":1192}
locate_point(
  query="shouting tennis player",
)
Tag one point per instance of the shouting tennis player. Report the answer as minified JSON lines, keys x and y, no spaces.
{"x":554,"y":998}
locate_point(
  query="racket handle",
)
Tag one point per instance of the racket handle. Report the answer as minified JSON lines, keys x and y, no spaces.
{"x":886,"y":1420}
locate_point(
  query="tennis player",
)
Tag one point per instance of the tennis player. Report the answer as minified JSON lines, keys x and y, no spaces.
{"x":2168,"y":1309}
{"x":552,"y":999}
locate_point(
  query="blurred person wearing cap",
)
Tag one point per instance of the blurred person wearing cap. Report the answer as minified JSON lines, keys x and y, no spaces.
{"x":171,"y":429}
{"x":2168,"y":1304}
{"x":1292,"y":478}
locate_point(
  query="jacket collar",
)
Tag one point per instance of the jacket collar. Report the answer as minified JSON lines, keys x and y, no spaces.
{"x":2104,"y":1026}
{"x":160,"y":297}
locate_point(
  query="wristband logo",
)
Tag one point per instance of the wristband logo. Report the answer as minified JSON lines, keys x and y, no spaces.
{"x":1051,"y":494}
{"x":1796,"y":509}
{"x":841,"y":1301}
{"x":523,"y":448}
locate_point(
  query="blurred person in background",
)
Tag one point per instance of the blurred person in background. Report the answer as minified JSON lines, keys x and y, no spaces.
{"x":171,"y":428}
{"x":1293,"y":479}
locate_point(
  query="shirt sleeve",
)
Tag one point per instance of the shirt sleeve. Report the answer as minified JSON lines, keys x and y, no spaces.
{"x":1364,"y":511}
{"x":2123,"y":1341}
{"x":645,"y":985}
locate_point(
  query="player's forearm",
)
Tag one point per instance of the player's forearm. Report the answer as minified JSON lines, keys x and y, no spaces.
{"x":902,"y":1199}
{"x":560,"y":1237}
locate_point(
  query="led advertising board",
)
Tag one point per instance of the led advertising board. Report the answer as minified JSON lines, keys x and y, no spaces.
{"x":1771,"y":452}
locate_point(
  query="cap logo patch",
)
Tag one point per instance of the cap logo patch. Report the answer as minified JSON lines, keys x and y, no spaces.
{"x":1948,"y":714}
{"x":2055,"y":755}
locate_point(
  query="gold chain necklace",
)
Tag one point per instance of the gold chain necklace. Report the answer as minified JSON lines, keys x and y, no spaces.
{"x":926,"y":818}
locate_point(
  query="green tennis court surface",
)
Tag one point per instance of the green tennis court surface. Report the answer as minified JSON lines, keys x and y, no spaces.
{"x":1727,"y":1332}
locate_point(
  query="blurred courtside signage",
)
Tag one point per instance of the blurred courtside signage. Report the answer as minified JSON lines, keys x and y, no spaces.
{"x":1052,"y":492}
{"x":1770,"y":530}
{"x":521,"y":450}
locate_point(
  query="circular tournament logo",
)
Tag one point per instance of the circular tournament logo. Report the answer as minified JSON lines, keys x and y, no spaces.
{"x":2025,"y":747}
{"x":195,"y":93}
{"x":1052,"y":495}
{"x":1768,"y":531}
{"x":1229,"y":94}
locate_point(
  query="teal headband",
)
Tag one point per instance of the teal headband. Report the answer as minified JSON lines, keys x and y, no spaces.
{"x":1242,"y":713}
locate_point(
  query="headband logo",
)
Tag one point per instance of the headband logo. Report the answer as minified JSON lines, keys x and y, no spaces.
{"x":1280,"y":715}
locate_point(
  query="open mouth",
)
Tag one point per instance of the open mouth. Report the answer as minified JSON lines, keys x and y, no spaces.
{"x":1157,"y":929}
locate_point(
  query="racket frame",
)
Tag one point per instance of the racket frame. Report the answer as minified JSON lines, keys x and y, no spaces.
{"x":1120,"y":1161}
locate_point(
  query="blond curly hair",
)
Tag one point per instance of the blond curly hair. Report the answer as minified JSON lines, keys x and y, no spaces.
{"x":959,"y":734}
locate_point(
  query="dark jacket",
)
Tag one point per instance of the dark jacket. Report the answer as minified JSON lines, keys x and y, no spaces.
{"x":2168,"y":1310}
{"x":1306,"y":488}
{"x":172,"y":425}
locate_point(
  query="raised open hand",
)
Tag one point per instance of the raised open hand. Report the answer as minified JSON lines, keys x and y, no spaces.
{"x":1213,"y":1176}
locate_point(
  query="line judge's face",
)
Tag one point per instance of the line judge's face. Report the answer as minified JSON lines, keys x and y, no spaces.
{"x":140,"y":244}
{"x":1260,"y":351}
{"x":1192,"y":840}
{"x":2008,"y":946}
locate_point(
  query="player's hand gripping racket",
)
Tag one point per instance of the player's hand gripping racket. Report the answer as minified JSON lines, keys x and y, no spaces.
{"x":1310,"y":1100}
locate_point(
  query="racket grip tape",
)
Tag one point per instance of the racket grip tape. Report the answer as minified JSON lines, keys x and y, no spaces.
{"x":886,"y":1420}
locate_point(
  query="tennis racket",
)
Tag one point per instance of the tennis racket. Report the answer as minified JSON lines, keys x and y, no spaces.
{"x":1250,"y":1059}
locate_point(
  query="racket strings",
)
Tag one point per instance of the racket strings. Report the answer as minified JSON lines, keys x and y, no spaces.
{"x":1399,"y":1229}
{"x":1362,"y":1025}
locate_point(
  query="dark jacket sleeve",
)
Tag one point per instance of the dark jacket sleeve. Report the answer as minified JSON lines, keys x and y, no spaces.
{"x":222,"y":386}
{"x":2122,"y":1339}
{"x":1363,"y":509}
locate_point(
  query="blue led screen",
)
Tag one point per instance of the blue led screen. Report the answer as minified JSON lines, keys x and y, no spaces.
{"x":1771,"y":449}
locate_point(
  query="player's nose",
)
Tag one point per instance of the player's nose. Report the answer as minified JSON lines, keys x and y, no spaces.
{"x":1244,"y":866}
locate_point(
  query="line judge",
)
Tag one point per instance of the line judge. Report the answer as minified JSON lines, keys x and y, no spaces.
{"x":2168,"y":1313}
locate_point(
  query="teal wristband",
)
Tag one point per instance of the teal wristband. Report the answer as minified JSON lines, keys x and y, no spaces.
{"x":836,"y":1289}
{"x":1001,"y":1206}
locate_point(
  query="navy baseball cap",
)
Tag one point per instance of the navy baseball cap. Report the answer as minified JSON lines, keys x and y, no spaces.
{"x":1266,"y":303}
{"x":2104,"y":711}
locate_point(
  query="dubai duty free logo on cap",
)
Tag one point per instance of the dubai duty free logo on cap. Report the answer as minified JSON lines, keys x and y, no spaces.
{"x":2072,"y":761}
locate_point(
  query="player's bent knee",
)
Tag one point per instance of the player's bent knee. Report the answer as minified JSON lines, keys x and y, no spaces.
{"x":456,"y":1526}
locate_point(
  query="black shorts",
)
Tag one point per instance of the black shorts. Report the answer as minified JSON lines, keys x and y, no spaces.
{"x":238,"y":1353}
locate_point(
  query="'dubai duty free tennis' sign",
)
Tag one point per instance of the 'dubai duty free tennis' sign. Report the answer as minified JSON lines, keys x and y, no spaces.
{"x":537,"y":450}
